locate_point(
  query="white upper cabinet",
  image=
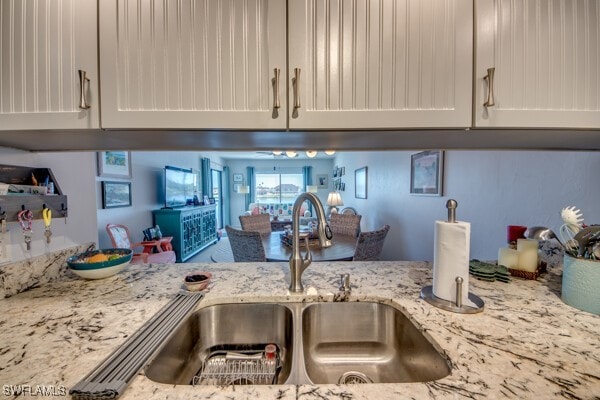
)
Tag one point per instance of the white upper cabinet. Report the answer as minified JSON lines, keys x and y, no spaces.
{"x":546,"y":56}
{"x":380,"y":63}
{"x":43,"y":45}
{"x":206,"y":64}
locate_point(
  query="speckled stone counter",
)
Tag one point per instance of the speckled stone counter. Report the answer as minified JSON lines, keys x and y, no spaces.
{"x":22,"y":275}
{"x":526,"y":344}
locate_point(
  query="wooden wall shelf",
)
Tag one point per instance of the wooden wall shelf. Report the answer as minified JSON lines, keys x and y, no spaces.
{"x":12,"y":203}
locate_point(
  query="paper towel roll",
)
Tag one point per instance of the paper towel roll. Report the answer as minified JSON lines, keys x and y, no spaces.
{"x":451,"y":259}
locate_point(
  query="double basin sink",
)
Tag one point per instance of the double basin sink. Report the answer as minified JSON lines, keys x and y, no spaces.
{"x":317,"y":343}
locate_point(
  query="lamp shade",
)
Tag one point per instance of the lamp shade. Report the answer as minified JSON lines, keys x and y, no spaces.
{"x":244,"y":189}
{"x":334,"y":199}
{"x":311,"y":188}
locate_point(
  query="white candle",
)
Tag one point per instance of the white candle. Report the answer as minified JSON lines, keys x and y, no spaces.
{"x":508,"y":257}
{"x":528,"y":254}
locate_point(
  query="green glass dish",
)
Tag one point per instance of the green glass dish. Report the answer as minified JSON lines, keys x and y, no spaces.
{"x":75,"y":262}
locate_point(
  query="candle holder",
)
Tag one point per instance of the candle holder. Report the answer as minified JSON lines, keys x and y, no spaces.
{"x":514,"y":233}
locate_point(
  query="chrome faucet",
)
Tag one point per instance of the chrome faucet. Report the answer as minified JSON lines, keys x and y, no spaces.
{"x":297,"y":263}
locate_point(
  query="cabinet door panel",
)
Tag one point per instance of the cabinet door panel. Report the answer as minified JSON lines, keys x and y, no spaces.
{"x":381,"y":63}
{"x":546,"y":60}
{"x":191,"y":63}
{"x":42,"y":46}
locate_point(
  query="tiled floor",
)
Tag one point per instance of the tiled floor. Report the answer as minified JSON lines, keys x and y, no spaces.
{"x":204,"y":255}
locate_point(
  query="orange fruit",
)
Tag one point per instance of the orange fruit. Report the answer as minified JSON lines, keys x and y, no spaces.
{"x":97,"y":258}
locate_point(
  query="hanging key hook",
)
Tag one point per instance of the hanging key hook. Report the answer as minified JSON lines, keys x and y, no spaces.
{"x":25,"y":218}
{"x":47,"y":215}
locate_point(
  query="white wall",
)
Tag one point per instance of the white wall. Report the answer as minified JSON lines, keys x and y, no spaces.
{"x":74,"y":172}
{"x":493,"y":189}
{"x":238,"y":201}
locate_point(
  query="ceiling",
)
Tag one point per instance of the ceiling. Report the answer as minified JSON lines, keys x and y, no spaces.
{"x":266,"y":155}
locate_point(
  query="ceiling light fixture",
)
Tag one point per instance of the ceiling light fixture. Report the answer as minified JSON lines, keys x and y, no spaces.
{"x":277,"y":152}
{"x":311,"y":154}
{"x":330,"y":152}
{"x":291,"y":154}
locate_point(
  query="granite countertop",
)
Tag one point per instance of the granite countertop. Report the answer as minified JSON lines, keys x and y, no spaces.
{"x":526,"y":344}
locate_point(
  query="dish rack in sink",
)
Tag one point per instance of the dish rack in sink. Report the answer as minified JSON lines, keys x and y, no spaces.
{"x":240,"y":367}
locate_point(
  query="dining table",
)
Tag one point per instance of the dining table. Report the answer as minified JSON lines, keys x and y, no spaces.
{"x":341,"y":249}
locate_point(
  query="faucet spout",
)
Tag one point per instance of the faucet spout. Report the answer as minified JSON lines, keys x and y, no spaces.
{"x":298,"y":264}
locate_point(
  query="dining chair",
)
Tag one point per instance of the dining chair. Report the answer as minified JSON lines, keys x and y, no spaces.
{"x":153,"y":251}
{"x":257,"y":223}
{"x":370,"y":244}
{"x":345,"y":224}
{"x":349,"y":210}
{"x":246,"y":246}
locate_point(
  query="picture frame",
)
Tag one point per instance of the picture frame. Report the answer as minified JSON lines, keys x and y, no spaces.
{"x":322,"y":181}
{"x":236,"y":187}
{"x":427,"y":173}
{"x":360,"y":183}
{"x":114,"y":164}
{"x":238,"y":177}
{"x":116,"y":194}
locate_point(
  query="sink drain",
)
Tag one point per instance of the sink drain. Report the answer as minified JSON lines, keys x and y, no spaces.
{"x":354,"y":377}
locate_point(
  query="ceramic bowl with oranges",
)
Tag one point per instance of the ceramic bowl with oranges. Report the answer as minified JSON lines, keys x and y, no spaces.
{"x":98,"y":264}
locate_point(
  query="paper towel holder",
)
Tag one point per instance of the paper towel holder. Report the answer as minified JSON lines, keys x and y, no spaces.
{"x":457,"y":307}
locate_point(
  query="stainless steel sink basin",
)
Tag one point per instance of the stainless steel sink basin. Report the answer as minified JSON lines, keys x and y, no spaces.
{"x":366,"y":342}
{"x":221,"y":328}
{"x":345,"y":342}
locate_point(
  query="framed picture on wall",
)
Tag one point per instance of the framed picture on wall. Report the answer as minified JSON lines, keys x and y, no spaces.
{"x":360,"y":183}
{"x":114,"y":164}
{"x":116,"y":194}
{"x":238,"y":177}
{"x":426,"y":173}
{"x":322,"y":181}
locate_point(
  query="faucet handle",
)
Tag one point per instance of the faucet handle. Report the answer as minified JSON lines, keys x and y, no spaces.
{"x":308,"y":256}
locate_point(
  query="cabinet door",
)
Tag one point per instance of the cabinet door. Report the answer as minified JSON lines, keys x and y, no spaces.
{"x":380,"y":63}
{"x":43,"y":44}
{"x":192,"y":63}
{"x":547,"y":61}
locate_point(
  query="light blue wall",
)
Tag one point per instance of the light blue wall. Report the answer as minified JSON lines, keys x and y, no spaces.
{"x":493,"y":189}
{"x":146,"y":188}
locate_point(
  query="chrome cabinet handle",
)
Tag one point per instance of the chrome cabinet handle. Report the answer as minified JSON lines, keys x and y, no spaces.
{"x":82,"y":81}
{"x":276,"y":103}
{"x":490,"y":81}
{"x":296,"y":88}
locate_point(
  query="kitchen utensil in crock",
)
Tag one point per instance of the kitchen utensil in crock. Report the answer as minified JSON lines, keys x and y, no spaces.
{"x":542,"y":233}
{"x":568,"y":238}
{"x":583,"y":239}
{"x":572,"y":217}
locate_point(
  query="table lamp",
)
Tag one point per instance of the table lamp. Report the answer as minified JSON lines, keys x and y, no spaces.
{"x":334,"y":200}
